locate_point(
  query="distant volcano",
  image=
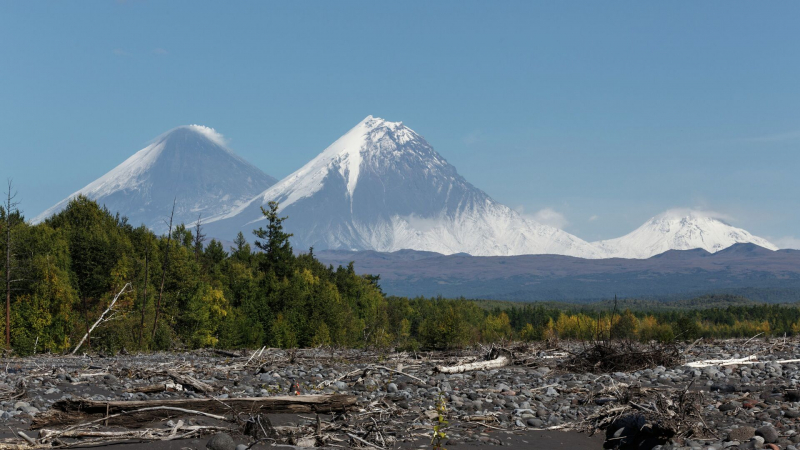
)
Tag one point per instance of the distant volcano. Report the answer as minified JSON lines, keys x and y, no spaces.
{"x":382,"y":187}
{"x":679,"y":230}
{"x":189,"y":163}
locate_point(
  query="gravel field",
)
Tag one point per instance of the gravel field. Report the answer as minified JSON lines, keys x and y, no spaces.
{"x":746,"y":399}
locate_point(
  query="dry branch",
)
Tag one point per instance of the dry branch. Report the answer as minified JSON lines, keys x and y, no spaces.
{"x":102,"y":316}
{"x":72,"y":411}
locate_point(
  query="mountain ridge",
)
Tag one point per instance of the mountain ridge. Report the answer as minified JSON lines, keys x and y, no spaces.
{"x":557,"y":277}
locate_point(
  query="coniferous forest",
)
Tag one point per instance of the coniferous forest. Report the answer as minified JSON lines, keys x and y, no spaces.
{"x":60,"y":276}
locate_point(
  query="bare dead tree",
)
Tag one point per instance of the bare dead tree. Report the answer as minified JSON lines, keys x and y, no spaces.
{"x":10,"y":206}
{"x":144,"y":300}
{"x":102,"y":317}
{"x":199,"y":238}
{"x":164,"y":269}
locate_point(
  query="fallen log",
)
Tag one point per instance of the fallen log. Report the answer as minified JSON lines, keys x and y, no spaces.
{"x":194,"y":383}
{"x":497,"y":357}
{"x":72,"y":411}
{"x":155,"y":388}
{"x":500,"y":361}
{"x":226,"y":353}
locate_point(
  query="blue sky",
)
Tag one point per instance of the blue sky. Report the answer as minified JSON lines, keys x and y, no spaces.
{"x":600,"y":114}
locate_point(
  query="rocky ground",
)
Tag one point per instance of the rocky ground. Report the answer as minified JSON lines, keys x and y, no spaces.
{"x":747,"y":399}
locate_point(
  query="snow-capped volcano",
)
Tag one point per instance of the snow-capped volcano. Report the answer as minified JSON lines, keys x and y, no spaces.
{"x":382,"y":187}
{"x":679,"y":230}
{"x":190,"y":164}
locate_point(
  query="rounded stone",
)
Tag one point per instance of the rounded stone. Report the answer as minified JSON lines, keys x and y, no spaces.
{"x":769,"y":434}
{"x":221,"y":441}
{"x":741,"y":434}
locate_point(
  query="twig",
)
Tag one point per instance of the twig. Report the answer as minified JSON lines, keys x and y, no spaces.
{"x":358,"y":439}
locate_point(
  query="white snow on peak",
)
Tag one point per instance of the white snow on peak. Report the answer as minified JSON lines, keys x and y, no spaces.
{"x":190,"y":162}
{"x":345,"y":155}
{"x":127,"y":176}
{"x":124,"y":176}
{"x":679,"y":229}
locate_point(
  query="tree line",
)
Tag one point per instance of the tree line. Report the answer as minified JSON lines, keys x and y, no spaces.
{"x":60,"y":276}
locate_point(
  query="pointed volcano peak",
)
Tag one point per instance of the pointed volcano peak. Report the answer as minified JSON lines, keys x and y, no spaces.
{"x":374,"y":144}
{"x":192,"y":138}
{"x":370,"y":135}
{"x":190,"y":163}
{"x":373,"y":122}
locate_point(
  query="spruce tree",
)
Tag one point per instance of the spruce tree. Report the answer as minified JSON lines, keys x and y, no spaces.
{"x":278,"y":256}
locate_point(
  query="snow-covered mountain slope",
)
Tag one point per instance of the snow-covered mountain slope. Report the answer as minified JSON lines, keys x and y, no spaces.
{"x":678,"y":230}
{"x":382,"y":187}
{"x":190,"y":164}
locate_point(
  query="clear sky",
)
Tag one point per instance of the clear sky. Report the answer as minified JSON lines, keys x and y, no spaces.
{"x":593,"y":115}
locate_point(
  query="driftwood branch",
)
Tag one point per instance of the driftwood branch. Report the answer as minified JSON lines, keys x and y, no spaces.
{"x":500,"y":361}
{"x":100,"y":320}
{"x":187,"y":380}
{"x":134,"y":413}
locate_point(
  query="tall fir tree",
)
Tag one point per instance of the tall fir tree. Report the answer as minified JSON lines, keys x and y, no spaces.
{"x":277,"y":257}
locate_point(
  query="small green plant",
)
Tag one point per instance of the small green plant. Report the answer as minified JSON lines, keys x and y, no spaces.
{"x":439,"y":435}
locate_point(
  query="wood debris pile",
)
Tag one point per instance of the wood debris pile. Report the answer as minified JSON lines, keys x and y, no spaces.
{"x":632,"y":414}
{"x":608,"y":356}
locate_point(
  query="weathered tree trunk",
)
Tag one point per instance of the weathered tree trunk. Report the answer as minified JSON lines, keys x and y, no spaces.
{"x":100,"y":320}
{"x":8,"y":275}
{"x":164,"y":270}
{"x":144,"y":300}
{"x":186,"y":380}
{"x":72,"y":411}
{"x":199,"y":238}
{"x":9,"y":206}
{"x":500,"y":361}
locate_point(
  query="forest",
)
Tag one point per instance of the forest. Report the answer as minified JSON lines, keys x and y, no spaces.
{"x":184,"y":291}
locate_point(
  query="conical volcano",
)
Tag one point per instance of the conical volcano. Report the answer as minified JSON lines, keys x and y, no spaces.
{"x":382,"y":187}
{"x":190,"y":164}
